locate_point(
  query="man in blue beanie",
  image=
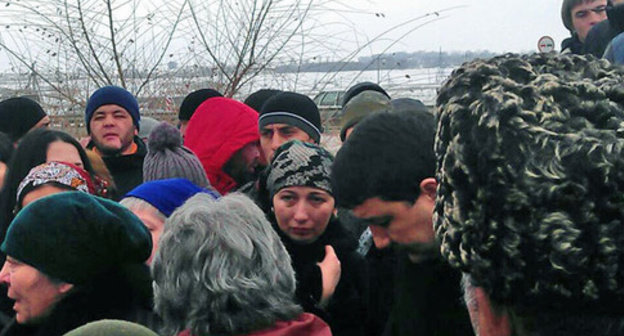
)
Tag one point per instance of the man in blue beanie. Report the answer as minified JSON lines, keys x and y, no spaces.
{"x":112,"y":119}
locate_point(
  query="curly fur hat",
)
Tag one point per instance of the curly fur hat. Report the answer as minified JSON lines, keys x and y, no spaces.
{"x":530,"y":159}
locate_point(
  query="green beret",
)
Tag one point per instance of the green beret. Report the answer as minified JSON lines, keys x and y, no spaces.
{"x":75,"y":237}
{"x":360,"y":106}
{"x":111,"y":328}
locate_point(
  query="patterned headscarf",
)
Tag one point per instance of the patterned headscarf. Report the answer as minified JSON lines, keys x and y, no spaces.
{"x":59,"y":173}
{"x":298,"y":163}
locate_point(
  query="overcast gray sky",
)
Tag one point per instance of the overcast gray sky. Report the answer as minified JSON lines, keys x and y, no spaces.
{"x":496,"y":25}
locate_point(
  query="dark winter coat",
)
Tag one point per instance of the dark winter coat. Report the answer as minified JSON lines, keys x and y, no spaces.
{"x":127,"y":170}
{"x":113,"y":296}
{"x":346,"y":312}
{"x":572,"y":45}
{"x":427,"y":300}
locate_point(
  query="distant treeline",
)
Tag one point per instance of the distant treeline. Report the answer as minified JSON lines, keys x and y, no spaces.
{"x":396,"y":60}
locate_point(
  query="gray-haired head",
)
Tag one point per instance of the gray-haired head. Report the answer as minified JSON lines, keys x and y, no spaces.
{"x":530,"y":154}
{"x":221,"y":269}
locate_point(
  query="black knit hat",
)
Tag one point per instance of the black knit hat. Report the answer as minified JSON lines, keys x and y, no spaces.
{"x":361,"y":87}
{"x":192,"y":101}
{"x":293,"y":109}
{"x":77,"y":237}
{"x":299,"y":163}
{"x":18,"y":116}
{"x":258,"y":98}
{"x":167,"y":158}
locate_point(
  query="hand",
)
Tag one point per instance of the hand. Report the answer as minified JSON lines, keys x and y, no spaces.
{"x":330,"y":273}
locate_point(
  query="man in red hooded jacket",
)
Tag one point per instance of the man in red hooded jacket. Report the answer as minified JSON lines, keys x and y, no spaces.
{"x":224,"y":135}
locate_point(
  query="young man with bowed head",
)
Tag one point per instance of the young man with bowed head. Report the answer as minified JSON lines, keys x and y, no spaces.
{"x":384,"y":173}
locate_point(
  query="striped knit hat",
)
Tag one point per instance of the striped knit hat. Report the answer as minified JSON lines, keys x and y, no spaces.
{"x":292,"y":109}
{"x":168,"y":158}
{"x":299,"y":163}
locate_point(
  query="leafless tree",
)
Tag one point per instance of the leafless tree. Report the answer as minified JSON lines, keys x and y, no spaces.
{"x":74,"y":46}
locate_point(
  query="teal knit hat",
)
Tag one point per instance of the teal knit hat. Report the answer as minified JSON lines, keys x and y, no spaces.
{"x":111,"y":328}
{"x":76,"y":237}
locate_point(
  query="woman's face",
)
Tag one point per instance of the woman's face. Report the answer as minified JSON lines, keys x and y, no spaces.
{"x":34,"y":293}
{"x":63,"y":152}
{"x":303,"y":213}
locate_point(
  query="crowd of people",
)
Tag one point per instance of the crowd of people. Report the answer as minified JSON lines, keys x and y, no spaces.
{"x":497,"y":212}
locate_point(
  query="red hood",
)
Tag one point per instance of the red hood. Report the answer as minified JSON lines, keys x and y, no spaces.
{"x":304,"y":325}
{"x":218,"y":129}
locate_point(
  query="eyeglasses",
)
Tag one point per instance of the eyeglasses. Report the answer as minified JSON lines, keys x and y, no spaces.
{"x":583,"y":13}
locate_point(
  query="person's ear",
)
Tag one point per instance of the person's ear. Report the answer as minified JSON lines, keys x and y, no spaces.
{"x":428,"y":187}
{"x":492,"y":322}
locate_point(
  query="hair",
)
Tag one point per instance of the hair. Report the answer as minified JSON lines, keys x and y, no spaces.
{"x":530,"y":151}
{"x":31,"y":152}
{"x":137,"y":204}
{"x":6,"y":148}
{"x":221,"y":269}
{"x":387,"y":156}
{"x":566,"y":12}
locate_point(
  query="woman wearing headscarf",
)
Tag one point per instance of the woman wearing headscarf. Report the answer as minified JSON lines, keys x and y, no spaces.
{"x":331,"y":276}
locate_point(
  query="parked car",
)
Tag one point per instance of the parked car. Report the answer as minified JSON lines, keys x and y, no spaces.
{"x":329,"y":99}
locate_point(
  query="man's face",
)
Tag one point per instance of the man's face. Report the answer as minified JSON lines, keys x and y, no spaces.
{"x":274,"y":135}
{"x":242,"y":165}
{"x":398,"y":221}
{"x":112,"y":129}
{"x":586,"y":15}
{"x":34,"y":293}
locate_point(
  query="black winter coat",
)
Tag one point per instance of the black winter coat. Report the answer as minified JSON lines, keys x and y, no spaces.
{"x":127,"y":170}
{"x":346,"y":312}
{"x":427,"y":300}
{"x":111,"y":297}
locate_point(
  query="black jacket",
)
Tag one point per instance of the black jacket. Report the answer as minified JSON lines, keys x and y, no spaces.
{"x":112,"y":296}
{"x":572,"y":45}
{"x":127,"y":170}
{"x":427,"y":300}
{"x":346,"y":312}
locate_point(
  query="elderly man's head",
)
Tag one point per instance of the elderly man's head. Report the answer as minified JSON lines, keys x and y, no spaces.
{"x":530,"y":152}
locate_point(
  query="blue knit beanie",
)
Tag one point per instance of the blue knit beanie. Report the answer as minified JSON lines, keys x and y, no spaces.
{"x":167,"y":195}
{"x":112,"y":95}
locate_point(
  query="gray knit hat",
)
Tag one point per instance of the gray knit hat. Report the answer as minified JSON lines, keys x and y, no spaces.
{"x":168,"y":158}
{"x":299,"y":163}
